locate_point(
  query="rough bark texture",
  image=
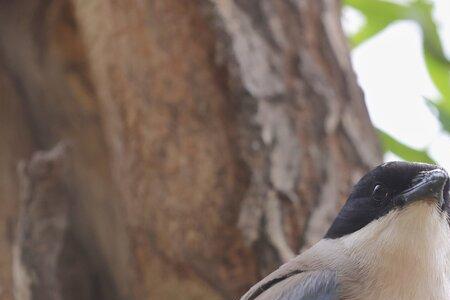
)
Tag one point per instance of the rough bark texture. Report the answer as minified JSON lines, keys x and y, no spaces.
{"x":48,"y":263}
{"x":211,"y":141}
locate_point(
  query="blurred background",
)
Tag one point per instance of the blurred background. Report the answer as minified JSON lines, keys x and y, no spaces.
{"x":400,"y":57}
{"x":184,"y":149}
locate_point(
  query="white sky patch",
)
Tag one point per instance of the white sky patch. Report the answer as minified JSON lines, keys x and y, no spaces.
{"x":392,"y":73}
{"x":352,"y":20}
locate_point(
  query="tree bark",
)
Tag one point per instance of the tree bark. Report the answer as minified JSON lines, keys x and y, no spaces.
{"x":211,"y":140}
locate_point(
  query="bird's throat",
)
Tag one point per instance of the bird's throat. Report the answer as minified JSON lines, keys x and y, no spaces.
{"x":406,"y":254}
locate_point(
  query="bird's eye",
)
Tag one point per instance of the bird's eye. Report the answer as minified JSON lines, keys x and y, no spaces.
{"x":380,"y":193}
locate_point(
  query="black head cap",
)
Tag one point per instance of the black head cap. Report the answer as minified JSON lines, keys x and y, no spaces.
{"x":389,"y":186}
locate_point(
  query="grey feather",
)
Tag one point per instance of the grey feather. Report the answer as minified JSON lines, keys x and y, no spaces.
{"x":288,"y":284}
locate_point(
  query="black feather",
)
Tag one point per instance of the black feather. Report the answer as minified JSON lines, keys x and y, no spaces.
{"x":361,"y":209}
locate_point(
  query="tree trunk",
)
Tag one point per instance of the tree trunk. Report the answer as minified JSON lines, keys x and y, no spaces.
{"x":209,"y":142}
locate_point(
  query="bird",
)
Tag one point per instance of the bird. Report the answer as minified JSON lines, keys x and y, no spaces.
{"x":390,"y":240}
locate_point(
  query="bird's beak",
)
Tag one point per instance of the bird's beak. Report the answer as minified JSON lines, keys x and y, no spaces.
{"x":426,"y":185}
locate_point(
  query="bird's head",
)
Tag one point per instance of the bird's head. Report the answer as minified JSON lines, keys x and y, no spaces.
{"x":393,"y":191}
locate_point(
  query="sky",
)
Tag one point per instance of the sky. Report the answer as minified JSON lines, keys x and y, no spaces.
{"x":391,"y":71}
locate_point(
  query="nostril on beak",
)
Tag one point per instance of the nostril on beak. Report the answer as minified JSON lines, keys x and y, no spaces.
{"x":438,"y":175}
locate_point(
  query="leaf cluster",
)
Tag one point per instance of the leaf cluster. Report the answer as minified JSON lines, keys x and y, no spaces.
{"x":379,"y":14}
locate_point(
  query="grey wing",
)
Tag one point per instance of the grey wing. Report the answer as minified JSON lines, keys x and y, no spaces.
{"x":296,"y":285}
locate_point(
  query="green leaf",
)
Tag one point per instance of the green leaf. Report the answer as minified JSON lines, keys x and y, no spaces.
{"x":439,"y":71}
{"x":422,"y":13}
{"x":367,"y":31}
{"x":402,"y":150}
{"x":379,"y":9}
{"x":441,"y":109}
{"x":378,"y":14}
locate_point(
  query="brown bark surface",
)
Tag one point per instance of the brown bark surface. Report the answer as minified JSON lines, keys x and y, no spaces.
{"x":209,"y":142}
